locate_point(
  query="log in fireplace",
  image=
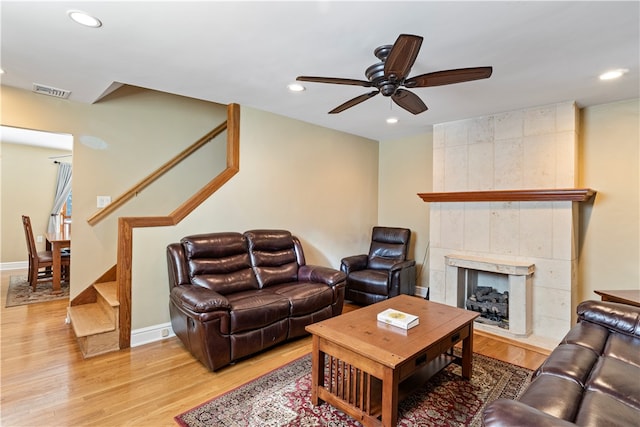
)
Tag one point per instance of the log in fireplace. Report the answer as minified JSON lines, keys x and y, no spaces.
{"x":492,"y":305}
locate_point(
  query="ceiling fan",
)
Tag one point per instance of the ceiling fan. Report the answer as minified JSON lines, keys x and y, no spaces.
{"x":390,"y":74}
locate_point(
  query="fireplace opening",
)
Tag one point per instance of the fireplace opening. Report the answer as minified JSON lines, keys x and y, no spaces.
{"x":500,"y":290}
{"x":492,"y":305}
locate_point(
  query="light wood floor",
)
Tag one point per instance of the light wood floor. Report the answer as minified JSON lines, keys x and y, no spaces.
{"x":46,"y":382}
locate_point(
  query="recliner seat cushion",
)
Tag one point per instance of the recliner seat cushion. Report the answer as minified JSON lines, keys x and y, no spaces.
{"x":370,"y":281}
{"x":611,"y":376}
{"x":253,"y":310}
{"x":554,"y":395}
{"x":600,"y":409}
{"x":304,"y":298}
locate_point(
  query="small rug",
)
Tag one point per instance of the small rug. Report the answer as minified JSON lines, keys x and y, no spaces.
{"x":283,"y":398}
{"x":20,"y":292}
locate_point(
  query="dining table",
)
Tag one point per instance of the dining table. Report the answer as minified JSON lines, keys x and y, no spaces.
{"x":56,"y":242}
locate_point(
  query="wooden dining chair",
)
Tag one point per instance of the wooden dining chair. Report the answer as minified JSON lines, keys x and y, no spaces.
{"x":40,"y":262}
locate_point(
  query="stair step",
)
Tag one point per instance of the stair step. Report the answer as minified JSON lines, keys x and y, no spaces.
{"x":90,"y":319}
{"x":109,"y":291}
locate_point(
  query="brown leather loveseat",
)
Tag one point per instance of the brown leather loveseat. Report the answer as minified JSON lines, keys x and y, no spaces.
{"x":591,"y":379}
{"x":233,"y":294}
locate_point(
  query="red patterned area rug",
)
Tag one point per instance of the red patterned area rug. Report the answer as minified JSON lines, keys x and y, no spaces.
{"x":283,"y":398}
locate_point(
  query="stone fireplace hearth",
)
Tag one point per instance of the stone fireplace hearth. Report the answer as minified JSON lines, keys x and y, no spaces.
{"x":521,"y":150}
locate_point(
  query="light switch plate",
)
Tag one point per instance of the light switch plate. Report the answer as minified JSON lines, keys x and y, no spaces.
{"x":103,"y":201}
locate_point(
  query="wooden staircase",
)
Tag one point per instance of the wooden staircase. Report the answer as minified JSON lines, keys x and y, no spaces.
{"x":101,"y":314}
{"x":96,"y":323}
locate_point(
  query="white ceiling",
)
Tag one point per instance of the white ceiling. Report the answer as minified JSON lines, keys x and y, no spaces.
{"x":542,"y":52}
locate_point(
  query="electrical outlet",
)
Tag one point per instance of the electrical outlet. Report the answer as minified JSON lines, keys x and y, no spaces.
{"x":39,"y":239}
{"x":165,"y":333}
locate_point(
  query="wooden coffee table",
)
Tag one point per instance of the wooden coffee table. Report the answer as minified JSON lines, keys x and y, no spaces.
{"x":370,"y":365}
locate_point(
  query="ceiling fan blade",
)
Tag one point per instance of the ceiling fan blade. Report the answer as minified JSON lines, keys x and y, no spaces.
{"x":334,"y":80}
{"x":352,"y":102}
{"x":402,"y":56}
{"x":448,"y":77}
{"x":409,"y":101}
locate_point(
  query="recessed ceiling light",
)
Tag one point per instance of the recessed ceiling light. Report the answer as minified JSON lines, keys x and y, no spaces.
{"x":84,"y":18}
{"x":613,"y":74}
{"x":392,"y":120}
{"x":295,"y":87}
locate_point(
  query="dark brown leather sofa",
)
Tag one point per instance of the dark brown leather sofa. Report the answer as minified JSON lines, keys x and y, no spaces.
{"x":591,"y":379}
{"x":233,"y":294}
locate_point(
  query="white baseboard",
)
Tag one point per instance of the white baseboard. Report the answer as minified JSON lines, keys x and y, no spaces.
{"x":18,"y":265}
{"x":151,"y":334}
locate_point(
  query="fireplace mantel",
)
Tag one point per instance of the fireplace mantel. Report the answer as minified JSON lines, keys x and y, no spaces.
{"x":536,"y":195}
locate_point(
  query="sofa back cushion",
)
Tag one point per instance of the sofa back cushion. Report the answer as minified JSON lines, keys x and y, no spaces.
{"x":273,"y":256}
{"x":220,"y":262}
{"x":389,"y":246}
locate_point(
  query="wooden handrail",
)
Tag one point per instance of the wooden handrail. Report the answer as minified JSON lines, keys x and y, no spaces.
{"x":122,"y":199}
{"x":127,"y":224}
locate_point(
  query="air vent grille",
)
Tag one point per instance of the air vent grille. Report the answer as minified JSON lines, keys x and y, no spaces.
{"x":51,"y":91}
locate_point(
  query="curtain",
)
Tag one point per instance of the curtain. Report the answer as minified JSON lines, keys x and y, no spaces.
{"x":63,"y":188}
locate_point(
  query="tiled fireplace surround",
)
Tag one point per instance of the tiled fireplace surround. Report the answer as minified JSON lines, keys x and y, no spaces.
{"x":535,"y":148}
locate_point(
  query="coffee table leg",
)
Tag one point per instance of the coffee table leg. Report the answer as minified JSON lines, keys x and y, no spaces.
{"x":390,"y":398}
{"x":467,"y":354}
{"x":317,"y":370}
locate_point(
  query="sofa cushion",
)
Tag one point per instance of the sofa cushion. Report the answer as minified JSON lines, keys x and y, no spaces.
{"x":273,"y":256}
{"x":556,"y":396}
{"x":569,"y":361}
{"x":220,"y":262}
{"x":305,"y":298}
{"x":254,"y":310}
{"x":618,"y":379}
{"x":623,"y":347}
{"x":588,"y":335}
{"x":601,"y":409}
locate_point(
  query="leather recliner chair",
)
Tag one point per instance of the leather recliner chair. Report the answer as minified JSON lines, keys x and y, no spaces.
{"x":385,"y":272}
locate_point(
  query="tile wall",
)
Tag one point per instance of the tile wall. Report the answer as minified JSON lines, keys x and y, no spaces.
{"x":533,"y":148}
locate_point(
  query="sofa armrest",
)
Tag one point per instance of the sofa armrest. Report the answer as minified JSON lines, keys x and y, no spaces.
{"x":318,"y":274}
{"x":353,"y":263}
{"x":509,"y":413}
{"x":198,"y":299}
{"x":618,"y":317}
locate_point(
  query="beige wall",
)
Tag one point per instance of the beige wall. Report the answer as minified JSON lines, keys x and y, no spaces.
{"x":28,"y":182}
{"x":405,"y":171}
{"x":318,"y":183}
{"x":609,"y":252}
{"x":327,"y":187}
{"x":117,"y":142}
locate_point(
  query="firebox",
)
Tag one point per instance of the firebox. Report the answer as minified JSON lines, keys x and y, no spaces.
{"x":501,"y":291}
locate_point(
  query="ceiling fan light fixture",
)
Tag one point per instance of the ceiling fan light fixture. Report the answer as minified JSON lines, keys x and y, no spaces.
{"x":84,"y":18}
{"x":295,"y":87}
{"x":613,"y":74}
